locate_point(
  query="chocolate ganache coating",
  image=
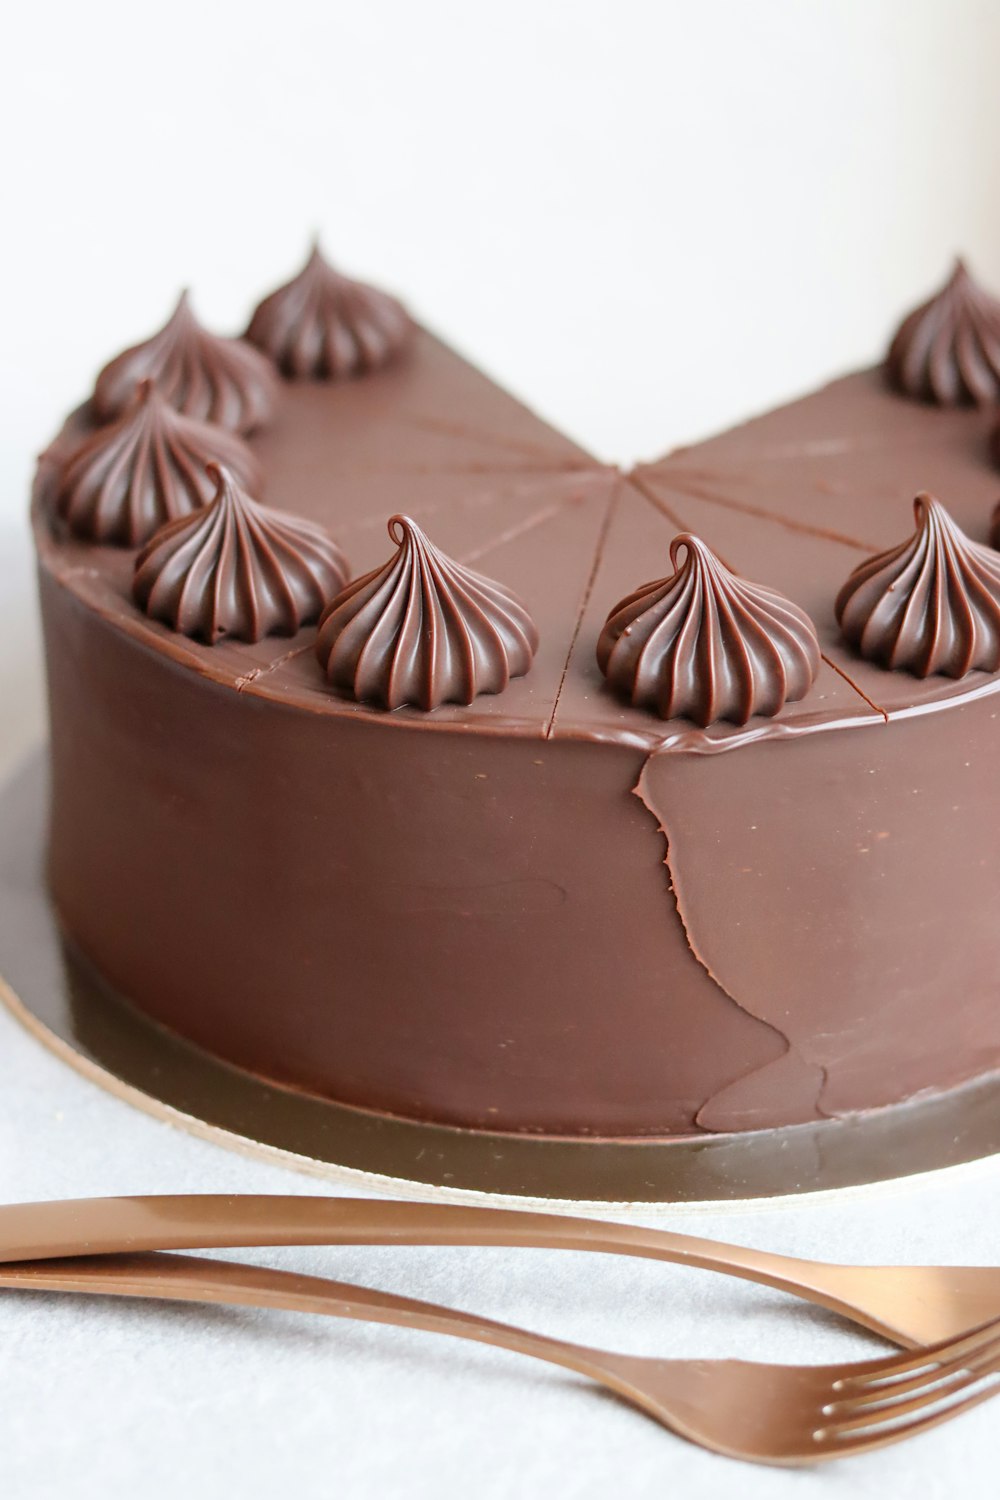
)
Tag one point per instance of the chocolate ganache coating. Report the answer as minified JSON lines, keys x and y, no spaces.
{"x":424,"y":630}
{"x":932,"y":604}
{"x":146,"y":467}
{"x":547,"y":911}
{"x":237,"y":569}
{"x":324,"y":326}
{"x":948,"y":350}
{"x":707,"y":645}
{"x":215,"y":379}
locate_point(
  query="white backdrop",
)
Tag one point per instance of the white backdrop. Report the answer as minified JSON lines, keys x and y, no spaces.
{"x":647,"y":216}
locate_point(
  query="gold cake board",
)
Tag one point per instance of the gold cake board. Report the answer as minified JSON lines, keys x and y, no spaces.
{"x":66,"y":1007}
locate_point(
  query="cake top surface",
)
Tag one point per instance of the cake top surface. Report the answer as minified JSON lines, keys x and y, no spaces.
{"x":793,"y":501}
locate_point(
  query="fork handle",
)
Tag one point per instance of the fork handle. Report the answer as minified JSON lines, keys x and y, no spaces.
{"x":99,"y":1226}
{"x":190,"y":1278}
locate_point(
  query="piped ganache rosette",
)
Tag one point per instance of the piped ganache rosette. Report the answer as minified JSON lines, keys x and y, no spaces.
{"x":932,"y":604}
{"x":469,"y":842}
{"x":706,"y":645}
{"x":237,"y":570}
{"x":324,"y":326}
{"x":218,"y":380}
{"x":947,"y":351}
{"x":145,"y":467}
{"x":424,"y":630}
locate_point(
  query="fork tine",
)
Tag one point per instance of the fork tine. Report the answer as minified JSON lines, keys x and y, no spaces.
{"x":872,"y":1417}
{"x":860,"y":1442}
{"x":885,"y":1391}
{"x":884,"y":1370}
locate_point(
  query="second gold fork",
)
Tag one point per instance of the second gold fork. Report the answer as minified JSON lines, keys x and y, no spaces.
{"x":771,"y":1414}
{"x":910,"y":1305}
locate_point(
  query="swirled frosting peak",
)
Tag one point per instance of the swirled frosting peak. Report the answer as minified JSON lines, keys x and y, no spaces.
{"x":948,"y":350}
{"x":424,"y":630}
{"x":931,"y":604}
{"x":705,"y":644}
{"x":145,"y":467}
{"x":214,"y":379}
{"x":324,"y":326}
{"x":237,"y":569}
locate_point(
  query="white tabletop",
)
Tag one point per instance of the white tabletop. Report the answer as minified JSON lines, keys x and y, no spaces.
{"x":104,"y":1398}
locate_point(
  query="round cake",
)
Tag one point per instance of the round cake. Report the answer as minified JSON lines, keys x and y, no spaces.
{"x":404,"y":754}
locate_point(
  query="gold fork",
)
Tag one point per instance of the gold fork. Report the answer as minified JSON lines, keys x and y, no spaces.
{"x":770,"y":1414}
{"x":911,"y":1305}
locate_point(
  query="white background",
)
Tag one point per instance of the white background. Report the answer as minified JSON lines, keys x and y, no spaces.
{"x":649,"y":219}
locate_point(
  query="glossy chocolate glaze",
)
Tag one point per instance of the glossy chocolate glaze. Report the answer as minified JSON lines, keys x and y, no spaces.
{"x":547,"y":910}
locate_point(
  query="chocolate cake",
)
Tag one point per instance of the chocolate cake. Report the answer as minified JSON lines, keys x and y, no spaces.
{"x":381,"y":769}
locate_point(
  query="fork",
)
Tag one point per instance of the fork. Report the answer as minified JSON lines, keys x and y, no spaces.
{"x":785,"y":1415}
{"x":910,"y":1305}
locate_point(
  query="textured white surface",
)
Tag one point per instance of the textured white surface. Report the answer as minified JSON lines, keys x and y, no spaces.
{"x":104,"y":1398}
